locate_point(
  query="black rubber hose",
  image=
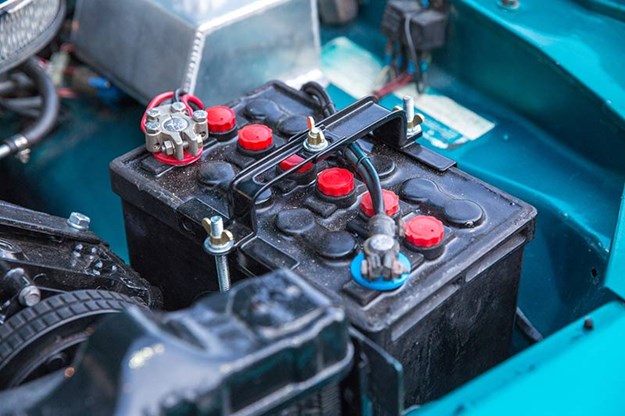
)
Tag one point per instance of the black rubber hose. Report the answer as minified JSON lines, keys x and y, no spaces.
{"x":50,"y":105}
{"x":24,"y":111}
{"x":7,"y":87}
{"x":365,"y":169}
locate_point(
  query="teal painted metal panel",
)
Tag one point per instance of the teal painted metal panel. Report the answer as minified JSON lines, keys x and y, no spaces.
{"x":574,"y":372}
{"x":615,"y":277}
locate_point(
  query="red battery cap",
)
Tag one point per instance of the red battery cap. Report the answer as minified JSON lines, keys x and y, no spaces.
{"x":292,"y":161}
{"x":335,"y":182}
{"x":220,"y":119}
{"x":424,"y":231}
{"x":255,"y":137}
{"x":391,"y":203}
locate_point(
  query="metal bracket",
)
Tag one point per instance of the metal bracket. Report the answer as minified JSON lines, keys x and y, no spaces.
{"x":362,"y":118}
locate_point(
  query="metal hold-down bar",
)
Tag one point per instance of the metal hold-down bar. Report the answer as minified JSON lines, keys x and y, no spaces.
{"x":340,"y":129}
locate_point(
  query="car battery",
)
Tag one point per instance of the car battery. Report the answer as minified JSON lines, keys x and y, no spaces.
{"x":289,"y":206}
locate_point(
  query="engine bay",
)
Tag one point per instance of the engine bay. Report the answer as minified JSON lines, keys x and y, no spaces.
{"x":307,"y":207}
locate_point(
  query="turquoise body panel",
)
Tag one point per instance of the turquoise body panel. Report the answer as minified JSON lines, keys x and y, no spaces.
{"x":550,"y":75}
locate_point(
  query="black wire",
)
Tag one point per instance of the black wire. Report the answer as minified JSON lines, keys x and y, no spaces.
{"x":354,"y":154}
{"x":362,"y":164}
{"x":412,"y":51}
{"x":321,"y":96}
{"x":527,"y":328}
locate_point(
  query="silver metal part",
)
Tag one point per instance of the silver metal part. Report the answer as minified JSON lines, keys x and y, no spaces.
{"x":29,"y":296}
{"x":21,"y":143}
{"x":25,"y":27}
{"x":5,"y":151}
{"x":338,"y":11}
{"x":17,"y":282}
{"x":78,"y":221}
{"x":219,"y":243}
{"x":23,"y":155}
{"x":382,"y":250}
{"x":408,"y":102}
{"x":414,"y":119}
{"x":168,"y":129}
{"x":217,"y":50}
{"x":223,"y":273}
{"x":315,"y":141}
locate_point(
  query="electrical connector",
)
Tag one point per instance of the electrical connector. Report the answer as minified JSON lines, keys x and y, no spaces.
{"x":395,"y":15}
{"x":426,"y":26}
{"x":427,"y":29}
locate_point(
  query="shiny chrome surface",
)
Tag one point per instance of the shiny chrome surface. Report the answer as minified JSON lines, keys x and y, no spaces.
{"x":215,"y":49}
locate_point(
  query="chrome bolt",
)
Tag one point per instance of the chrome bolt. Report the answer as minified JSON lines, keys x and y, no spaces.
{"x":408,"y":102}
{"x":177,"y":107}
{"x":152,"y":127}
{"x":414,"y":120}
{"x":167,"y":148}
{"x":78,"y":221}
{"x":200,"y":116}
{"x":29,"y":296}
{"x":316,"y":140}
{"x":152,"y":114}
{"x":216,"y":226}
{"x":218,"y":244}
{"x":223,"y":273}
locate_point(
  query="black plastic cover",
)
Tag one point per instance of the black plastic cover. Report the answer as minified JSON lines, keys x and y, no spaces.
{"x":268,"y":344}
{"x":59,"y":258}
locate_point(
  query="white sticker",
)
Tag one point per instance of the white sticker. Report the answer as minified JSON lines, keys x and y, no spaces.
{"x":449,"y":112}
{"x":356,"y":71}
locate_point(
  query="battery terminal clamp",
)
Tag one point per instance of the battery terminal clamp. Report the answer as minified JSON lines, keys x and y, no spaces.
{"x":173,"y":136}
{"x":381,"y":267}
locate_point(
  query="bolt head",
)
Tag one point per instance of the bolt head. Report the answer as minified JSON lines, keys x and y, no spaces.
{"x":79,"y":221}
{"x":381,"y":242}
{"x":151,"y":114}
{"x":29,"y":296}
{"x":152,"y":127}
{"x":200,"y":116}
{"x":167,"y":148}
{"x":177,"y":107}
